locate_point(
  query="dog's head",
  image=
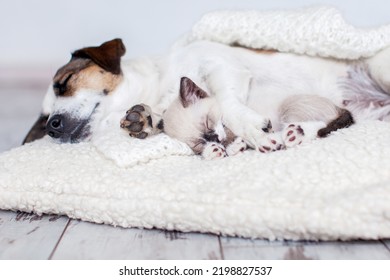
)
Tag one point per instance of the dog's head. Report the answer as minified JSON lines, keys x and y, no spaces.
{"x":77,"y":92}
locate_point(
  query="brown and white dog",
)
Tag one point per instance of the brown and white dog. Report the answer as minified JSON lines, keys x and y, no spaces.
{"x":96,"y":83}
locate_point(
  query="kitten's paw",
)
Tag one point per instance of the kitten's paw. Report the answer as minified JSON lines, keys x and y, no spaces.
{"x":138,"y":122}
{"x":213,"y":150}
{"x":293,"y":135}
{"x":236,"y":147}
{"x":270,"y":143}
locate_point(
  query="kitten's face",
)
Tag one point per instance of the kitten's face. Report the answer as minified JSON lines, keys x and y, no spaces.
{"x":195,"y":118}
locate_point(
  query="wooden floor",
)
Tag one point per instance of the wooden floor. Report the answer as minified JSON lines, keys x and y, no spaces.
{"x":28,"y":236}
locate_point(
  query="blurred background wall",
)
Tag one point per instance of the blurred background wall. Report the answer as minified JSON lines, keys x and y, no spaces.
{"x":36,"y":37}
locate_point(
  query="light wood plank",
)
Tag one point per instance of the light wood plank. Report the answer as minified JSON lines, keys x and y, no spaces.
{"x":236,"y":248}
{"x":29,"y":236}
{"x":242,"y":248}
{"x":84,"y":240}
{"x":357,"y":250}
{"x":386,"y":242}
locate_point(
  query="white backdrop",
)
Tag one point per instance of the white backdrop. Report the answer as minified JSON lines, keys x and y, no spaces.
{"x":44,"y":32}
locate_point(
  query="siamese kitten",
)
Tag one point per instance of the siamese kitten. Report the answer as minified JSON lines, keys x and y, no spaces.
{"x":195,"y":118}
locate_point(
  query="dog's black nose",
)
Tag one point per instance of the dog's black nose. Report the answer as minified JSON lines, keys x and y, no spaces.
{"x":55,"y":126}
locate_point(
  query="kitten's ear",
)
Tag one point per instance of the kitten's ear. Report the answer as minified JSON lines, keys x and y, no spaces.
{"x":190,"y":93}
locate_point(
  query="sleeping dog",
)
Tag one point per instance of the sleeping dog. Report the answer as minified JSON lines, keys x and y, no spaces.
{"x":95,"y":83}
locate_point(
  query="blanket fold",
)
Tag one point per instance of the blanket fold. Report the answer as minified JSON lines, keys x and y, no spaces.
{"x":316,"y":31}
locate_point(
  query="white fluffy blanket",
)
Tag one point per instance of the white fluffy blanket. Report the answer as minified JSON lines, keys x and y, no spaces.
{"x":318,"y":31}
{"x":333,"y":188}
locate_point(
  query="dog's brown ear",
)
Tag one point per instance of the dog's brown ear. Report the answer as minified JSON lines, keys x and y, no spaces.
{"x":38,"y":130}
{"x":107,"y":55}
{"x":190,"y":93}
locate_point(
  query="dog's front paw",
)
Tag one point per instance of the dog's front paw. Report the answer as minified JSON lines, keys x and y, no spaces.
{"x":236,"y":147}
{"x":213,"y":150}
{"x":293,"y":135}
{"x":250,"y":127}
{"x":138,"y":122}
{"x":256,"y":130}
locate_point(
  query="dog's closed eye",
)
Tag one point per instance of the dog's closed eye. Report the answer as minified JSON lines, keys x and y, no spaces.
{"x":60,"y":87}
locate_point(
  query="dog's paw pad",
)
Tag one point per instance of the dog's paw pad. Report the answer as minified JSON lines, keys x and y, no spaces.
{"x":214,"y":151}
{"x":293,"y":135}
{"x":138,"y":121}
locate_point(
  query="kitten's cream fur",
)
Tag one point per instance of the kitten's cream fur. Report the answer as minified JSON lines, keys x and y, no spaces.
{"x":196,"y":118}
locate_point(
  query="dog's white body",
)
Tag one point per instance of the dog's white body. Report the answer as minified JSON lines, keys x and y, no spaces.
{"x":232,"y":75}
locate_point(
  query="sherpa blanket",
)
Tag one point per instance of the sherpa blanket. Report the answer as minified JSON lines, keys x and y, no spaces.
{"x":332,"y":188}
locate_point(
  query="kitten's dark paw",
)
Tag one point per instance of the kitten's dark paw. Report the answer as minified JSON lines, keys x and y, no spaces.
{"x":138,"y":121}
